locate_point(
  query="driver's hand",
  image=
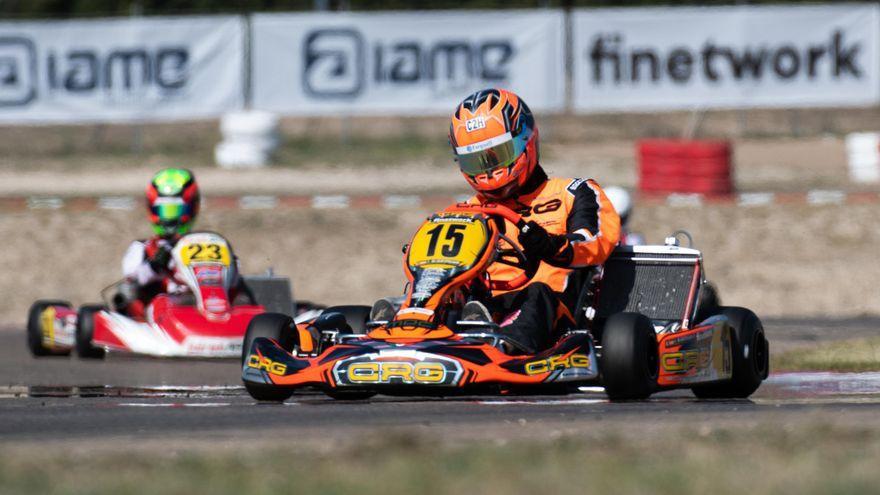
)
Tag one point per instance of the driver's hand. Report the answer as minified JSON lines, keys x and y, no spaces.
{"x":537,"y":243}
{"x":159,"y":261}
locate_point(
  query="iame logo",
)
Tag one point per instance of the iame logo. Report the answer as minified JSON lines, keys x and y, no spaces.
{"x":341,"y":63}
{"x":334,"y":63}
{"x":475,"y":124}
{"x":128,"y":70}
{"x":117,"y":73}
{"x":18,"y":71}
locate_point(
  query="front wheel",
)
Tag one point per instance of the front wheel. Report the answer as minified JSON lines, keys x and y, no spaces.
{"x":35,"y":328}
{"x":85,"y":331}
{"x":281,"y":329}
{"x":751,"y":357}
{"x":629,"y":360}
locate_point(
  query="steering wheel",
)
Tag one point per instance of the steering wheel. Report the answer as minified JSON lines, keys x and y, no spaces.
{"x":513,"y":256}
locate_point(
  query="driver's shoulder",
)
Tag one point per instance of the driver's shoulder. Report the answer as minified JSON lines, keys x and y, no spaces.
{"x":569,"y":185}
{"x":137,"y":244}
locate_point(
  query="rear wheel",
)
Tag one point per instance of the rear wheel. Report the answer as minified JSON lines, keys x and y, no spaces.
{"x":85,"y":331}
{"x":280,"y":328}
{"x":751,"y":357}
{"x":709,"y":302}
{"x":35,"y":328}
{"x":629,"y":360}
{"x":355,"y":315}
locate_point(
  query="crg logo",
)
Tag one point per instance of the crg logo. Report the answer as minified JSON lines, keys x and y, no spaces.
{"x":540,"y":208}
{"x":397,"y":370}
{"x":266,"y":364}
{"x":18,"y":71}
{"x":557,"y":362}
{"x":339,"y":63}
{"x":400,"y":372}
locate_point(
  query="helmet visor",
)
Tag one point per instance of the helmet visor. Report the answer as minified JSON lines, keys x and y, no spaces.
{"x":169,"y":210}
{"x":485,"y":156}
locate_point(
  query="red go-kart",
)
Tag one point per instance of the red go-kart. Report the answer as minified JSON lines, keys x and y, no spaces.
{"x":205,"y":320}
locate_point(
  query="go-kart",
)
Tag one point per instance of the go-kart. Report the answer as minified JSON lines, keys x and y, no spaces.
{"x":208,"y":319}
{"x":634,"y":332}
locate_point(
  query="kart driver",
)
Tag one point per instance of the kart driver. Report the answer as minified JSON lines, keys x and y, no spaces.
{"x":173,"y":204}
{"x":570,"y":222}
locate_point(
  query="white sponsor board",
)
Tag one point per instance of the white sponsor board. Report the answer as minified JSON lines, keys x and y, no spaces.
{"x":405,"y":63}
{"x":121,"y":69}
{"x":749,"y":56}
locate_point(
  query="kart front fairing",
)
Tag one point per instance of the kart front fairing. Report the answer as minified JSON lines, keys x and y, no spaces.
{"x":459,"y":363}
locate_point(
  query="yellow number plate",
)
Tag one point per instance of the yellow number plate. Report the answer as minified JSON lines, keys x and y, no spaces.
{"x":447,"y":242}
{"x":205,"y":252}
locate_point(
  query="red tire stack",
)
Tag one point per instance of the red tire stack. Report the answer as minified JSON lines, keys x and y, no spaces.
{"x":681,"y":166}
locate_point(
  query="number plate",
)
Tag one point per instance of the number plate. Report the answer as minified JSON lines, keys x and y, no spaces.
{"x":446,"y":241}
{"x":205,"y":252}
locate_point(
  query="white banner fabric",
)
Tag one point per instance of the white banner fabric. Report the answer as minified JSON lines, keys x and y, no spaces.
{"x":749,"y":56}
{"x":405,"y":63}
{"x":120,"y":70}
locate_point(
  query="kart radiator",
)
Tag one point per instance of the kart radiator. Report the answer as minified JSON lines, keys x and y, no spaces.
{"x":656,"y":285}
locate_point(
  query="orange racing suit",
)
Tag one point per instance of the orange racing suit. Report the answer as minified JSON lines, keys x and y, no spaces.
{"x":580,"y":217}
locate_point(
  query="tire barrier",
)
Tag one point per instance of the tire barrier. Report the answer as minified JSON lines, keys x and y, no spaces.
{"x":681,"y":166}
{"x":249,"y":139}
{"x":863,"y":156}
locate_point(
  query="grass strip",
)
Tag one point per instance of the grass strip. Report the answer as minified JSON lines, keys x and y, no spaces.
{"x":803,"y":459}
{"x":848,"y":355}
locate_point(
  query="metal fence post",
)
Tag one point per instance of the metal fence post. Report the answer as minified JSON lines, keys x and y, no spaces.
{"x":247,"y":66}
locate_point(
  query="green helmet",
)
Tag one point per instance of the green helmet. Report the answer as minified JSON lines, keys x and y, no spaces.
{"x":173,"y":201}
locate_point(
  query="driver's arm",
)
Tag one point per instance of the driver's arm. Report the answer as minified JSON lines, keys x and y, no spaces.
{"x":593,"y":226}
{"x":136,"y":266}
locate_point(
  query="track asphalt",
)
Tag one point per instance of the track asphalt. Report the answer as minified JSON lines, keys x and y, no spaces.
{"x":69,"y":400}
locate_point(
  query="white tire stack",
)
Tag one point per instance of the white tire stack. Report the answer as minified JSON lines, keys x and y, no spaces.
{"x":249,"y":139}
{"x":863,"y":153}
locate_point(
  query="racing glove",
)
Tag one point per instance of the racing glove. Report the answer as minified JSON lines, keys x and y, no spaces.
{"x":159,"y":261}
{"x":538,"y":244}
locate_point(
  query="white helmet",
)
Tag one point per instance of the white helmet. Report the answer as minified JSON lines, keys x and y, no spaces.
{"x":621,"y":200}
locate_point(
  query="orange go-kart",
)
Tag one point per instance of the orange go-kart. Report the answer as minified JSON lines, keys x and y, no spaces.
{"x":425,"y":350}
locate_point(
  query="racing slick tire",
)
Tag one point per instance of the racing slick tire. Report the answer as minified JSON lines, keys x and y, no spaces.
{"x":355,"y":315}
{"x":280,"y":328}
{"x":629,"y":361}
{"x":85,"y":330}
{"x":709,"y":302}
{"x":35,"y":329}
{"x":751,"y":357}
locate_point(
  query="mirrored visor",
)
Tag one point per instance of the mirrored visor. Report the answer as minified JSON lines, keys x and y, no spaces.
{"x":169,"y":209}
{"x":483,"y":157}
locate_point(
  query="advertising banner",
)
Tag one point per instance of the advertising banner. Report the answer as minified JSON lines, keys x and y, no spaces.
{"x":404,"y":63}
{"x":748,"y":56}
{"x":120,"y":70}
